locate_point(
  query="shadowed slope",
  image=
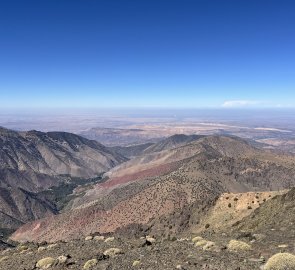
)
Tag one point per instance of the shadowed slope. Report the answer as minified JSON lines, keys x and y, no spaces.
{"x":33,"y":161}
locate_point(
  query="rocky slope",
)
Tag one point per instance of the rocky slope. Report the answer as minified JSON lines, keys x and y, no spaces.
{"x":141,"y":252}
{"x":230,"y":208}
{"x":171,"y":142}
{"x":34,"y":161}
{"x":131,"y":151}
{"x":19,"y":206}
{"x":157,"y":189}
{"x":236,"y":247}
{"x":54,"y":153}
{"x":276,"y":215}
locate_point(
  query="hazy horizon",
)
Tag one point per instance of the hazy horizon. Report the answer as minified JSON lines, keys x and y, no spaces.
{"x":77,"y":120}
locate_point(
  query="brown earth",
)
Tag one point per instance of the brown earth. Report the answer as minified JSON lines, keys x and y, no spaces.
{"x":210,"y":166}
{"x":178,"y":251}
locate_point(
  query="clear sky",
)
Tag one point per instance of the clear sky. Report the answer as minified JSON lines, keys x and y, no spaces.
{"x":147,"y":53}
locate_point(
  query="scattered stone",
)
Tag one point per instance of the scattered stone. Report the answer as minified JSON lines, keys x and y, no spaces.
{"x":136,"y":263}
{"x":22,"y":247}
{"x":40,"y":249}
{"x":6,"y":251}
{"x":88,"y":238}
{"x":283,"y":246}
{"x":24,"y":251}
{"x":259,"y":236}
{"x":62,"y":259}
{"x":150,"y":239}
{"x":182,"y":239}
{"x":101,"y":257}
{"x":260,"y":260}
{"x":51,"y":246}
{"x":143,"y":242}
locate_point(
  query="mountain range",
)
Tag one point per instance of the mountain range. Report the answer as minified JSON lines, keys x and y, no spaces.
{"x":224,"y":198}
{"x":164,"y":182}
{"x":33,"y":161}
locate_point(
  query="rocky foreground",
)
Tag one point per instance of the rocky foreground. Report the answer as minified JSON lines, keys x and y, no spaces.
{"x":237,"y":251}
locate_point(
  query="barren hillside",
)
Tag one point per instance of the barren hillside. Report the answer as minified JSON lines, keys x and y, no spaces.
{"x":204,"y":169}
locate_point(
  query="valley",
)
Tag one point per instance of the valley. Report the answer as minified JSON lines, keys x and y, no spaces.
{"x":174,"y":189}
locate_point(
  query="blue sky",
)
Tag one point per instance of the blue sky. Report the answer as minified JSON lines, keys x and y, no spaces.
{"x":162,"y":53}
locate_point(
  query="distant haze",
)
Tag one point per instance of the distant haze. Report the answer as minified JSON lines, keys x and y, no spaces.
{"x":77,"y":120}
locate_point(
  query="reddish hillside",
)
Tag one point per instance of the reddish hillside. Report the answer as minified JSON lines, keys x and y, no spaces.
{"x":211,"y":166}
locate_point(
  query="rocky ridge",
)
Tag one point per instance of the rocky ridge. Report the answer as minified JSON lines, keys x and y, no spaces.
{"x":33,"y":161}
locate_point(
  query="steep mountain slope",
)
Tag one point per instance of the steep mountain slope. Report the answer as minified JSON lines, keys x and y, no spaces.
{"x":232,"y":207}
{"x":133,"y":247}
{"x":236,"y":152}
{"x":276,"y":214}
{"x":193,"y":177}
{"x":54,"y":153}
{"x":131,"y":151}
{"x":34,"y":161}
{"x":171,"y":142}
{"x":22,"y":206}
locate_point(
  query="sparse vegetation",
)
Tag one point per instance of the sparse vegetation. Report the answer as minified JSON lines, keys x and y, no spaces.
{"x":209,"y":245}
{"x":235,"y":245}
{"x":62,"y":193}
{"x":4,"y":258}
{"x":281,"y":261}
{"x":200,"y":243}
{"x":45,"y":263}
{"x":197,"y":238}
{"x":113,"y":252}
{"x":109,"y":239}
{"x":90,"y":264}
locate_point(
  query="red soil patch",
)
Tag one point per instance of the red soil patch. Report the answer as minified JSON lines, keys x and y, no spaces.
{"x":152,"y":172}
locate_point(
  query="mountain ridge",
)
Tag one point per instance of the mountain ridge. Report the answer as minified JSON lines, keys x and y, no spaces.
{"x":32,"y":161}
{"x":206,"y":168}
